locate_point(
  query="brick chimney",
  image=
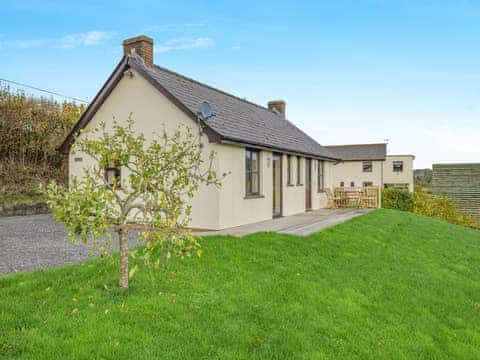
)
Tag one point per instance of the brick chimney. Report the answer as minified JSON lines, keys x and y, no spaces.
{"x":143,"y":46}
{"x":278,"y":105}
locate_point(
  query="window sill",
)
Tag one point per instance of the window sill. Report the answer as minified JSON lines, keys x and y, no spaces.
{"x":299,"y":184}
{"x":257,"y":196}
{"x":290,"y":185}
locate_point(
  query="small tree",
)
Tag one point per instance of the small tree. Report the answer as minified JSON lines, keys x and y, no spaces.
{"x":160,"y":178}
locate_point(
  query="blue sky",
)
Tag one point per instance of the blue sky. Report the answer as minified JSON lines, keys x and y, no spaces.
{"x":350,"y":71}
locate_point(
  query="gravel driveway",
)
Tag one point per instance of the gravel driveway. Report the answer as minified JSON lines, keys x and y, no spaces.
{"x":36,"y":242}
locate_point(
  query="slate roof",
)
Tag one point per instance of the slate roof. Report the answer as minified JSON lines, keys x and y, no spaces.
{"x":359,"y":151}
{"x":236,"y":119}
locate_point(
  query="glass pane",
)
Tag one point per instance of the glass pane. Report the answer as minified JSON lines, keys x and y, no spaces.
{"x":110,"y":175}
{"x":308,"y":170}
{"x":248,"y":184}
{"x":289,"y":175}
{"x":254,"y":161}
{"x":299,"y":175}
{"x":277,"y":185}
{"x":255,"y":188}
{"x":397,"y":165}
{"x":320,"y":175}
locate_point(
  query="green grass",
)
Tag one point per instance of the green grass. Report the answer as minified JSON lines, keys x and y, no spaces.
{"x":384,"y":285}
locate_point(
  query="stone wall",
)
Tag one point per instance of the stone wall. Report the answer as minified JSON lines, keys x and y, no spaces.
{"x":23,"y":209}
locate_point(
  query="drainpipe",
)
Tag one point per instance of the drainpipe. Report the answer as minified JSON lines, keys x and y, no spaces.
{"x":381,"y":185}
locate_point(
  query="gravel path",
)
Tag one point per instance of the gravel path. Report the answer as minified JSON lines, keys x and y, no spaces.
{"x":36,"y":242}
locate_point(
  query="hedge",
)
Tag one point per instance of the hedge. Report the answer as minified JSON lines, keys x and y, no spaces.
{"x":424,"y":203}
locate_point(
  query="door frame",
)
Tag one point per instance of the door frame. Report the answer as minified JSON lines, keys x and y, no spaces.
{"x":308,"y":184}
{"x":280,"y":214}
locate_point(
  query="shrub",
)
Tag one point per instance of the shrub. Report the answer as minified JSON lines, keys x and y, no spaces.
{"x":397,"y":199}
{"x":424,"y":203}
{"x":163,"y":175}
{"x":442,"y":208}
{"x":31,"y":129}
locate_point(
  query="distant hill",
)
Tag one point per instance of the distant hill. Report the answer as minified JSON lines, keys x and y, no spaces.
{"x":423,"y":178}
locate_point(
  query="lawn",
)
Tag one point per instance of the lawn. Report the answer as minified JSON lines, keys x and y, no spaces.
{"x":384,"y":285}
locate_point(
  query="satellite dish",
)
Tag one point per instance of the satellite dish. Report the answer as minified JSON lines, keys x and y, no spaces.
{"x":205,"y":110}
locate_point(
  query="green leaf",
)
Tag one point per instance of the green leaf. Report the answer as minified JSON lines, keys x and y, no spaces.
{"x":132,"y":271}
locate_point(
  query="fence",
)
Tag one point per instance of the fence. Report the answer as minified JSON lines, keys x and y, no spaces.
{"x":461,"y":183}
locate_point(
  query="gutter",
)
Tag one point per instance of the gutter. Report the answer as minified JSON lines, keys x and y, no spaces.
{"x":231,"y":141}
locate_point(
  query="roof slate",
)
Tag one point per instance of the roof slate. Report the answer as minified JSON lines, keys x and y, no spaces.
{"x":359,"y":152}
{"x":236,"y":119}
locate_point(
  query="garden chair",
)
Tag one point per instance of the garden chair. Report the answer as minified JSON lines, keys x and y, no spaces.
{"x":370,"y":197}
{"x":333,"y":200}
{"x":354,"y":198}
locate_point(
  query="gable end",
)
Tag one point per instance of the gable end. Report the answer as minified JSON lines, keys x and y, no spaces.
{"x":117,"y":74}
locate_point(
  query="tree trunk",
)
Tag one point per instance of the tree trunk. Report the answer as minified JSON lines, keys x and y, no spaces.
{"x":123,"y":282}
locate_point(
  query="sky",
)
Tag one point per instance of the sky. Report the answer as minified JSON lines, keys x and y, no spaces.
{"x":355,"y":71}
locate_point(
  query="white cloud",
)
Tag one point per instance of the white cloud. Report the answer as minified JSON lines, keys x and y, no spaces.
{"x":88,"y":38}
{"x":183,"y":44}
{"x":27,"y":44}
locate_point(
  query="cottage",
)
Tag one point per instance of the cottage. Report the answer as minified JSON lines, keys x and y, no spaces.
{"x":368,"y":164}
{"x":275,"y":168}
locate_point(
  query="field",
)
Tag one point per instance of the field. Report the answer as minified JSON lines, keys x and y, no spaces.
{"x":388,"y":284}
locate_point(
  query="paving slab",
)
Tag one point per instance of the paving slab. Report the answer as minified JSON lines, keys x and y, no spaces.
{"x":300,"y":224}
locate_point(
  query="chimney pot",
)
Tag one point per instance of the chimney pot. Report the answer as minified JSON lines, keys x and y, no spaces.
{"x":143,"y":46}
{"x":279,"y":105}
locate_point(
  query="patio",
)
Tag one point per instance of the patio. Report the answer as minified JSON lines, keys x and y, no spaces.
{"x":300,"y":224}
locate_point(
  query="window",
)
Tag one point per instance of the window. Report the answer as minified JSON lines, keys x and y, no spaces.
{"x":352,"y":183}
{"x":113,"y":175}
{"x":319,"y":176}
{"x":252,"y":172}
{"x":342,"y":184}
{"x":397,"y":166}
{"x":289,"y":169}
{"x":367,"y":166}
{"x":367,"y":183}
{"x":299,"y":171}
